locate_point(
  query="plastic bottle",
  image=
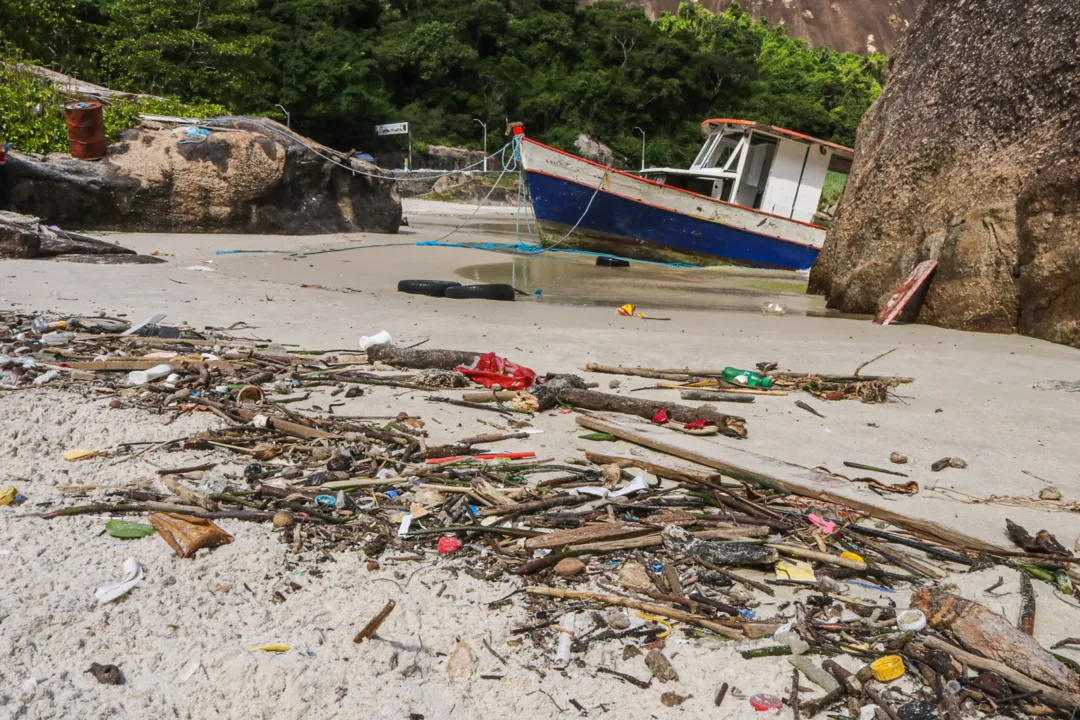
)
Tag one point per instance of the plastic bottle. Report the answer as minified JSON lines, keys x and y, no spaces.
{"x":813,"y":673}
{"x":380,"y":338}
{"x":40,"y":325}
{"x":141,"y":377}
{"x":792,"y":640}
{"x":55,"y":339}
{"x":747,"y":377}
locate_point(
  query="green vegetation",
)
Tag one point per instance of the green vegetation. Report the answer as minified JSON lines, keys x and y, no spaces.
{"x":832,"y":191}
{"x":32,"y":112}
{"x":341,"y":66}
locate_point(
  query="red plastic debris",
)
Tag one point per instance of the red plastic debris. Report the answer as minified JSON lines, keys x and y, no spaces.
{"x":698,"y":424}
{"x":661,"y":418}
{"x":489,"y":456}
{"x":764,"y":702}
{"x":490,"y":370}
{"x":448,"y":544}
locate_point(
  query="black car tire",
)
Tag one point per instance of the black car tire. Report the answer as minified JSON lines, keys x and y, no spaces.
{"x":493,"y":291}
{"x":434,"y":288}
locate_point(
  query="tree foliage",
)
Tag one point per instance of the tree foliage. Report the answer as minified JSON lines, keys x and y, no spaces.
{"x":341,"y":66}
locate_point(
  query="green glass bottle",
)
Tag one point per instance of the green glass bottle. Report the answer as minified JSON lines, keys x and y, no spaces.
{"x":749,"y":378}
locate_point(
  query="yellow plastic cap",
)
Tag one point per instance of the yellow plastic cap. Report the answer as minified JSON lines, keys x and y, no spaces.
{"x":888,"y":668}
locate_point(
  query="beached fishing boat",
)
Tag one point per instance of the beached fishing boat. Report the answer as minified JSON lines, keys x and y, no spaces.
{"x":749,"y":198}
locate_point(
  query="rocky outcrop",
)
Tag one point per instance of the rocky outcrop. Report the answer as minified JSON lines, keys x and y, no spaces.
{"x":861,"y":27}
{"x":971,"y":156}
{"x":23,"y":237}
{"x":246,"y":176}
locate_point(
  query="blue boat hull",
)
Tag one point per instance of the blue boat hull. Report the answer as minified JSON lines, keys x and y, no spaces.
{"x":620,"y":226}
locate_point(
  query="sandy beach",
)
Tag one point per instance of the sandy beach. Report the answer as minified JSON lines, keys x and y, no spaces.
{"x":183,"y":637}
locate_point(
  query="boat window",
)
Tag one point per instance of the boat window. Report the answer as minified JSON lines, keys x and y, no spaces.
{"x":755,"y":172}
{"x":706,"y":149}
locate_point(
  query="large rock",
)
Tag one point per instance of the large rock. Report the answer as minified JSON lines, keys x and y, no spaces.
{"x":971,"y":156}
{"x":849,"y":26}
{"x":252,"y":176}
{"x":23,"y":237}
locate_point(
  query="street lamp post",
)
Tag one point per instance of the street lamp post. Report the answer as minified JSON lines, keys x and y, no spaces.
{"x":483,"y":125}
{"x":288,"y":117}
{"x":642,"y":146}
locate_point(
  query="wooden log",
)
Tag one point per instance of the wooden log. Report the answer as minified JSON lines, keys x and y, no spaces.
{"x":755,"y":468}
{"x":1049,"y":695}
{"x":534,"y":505}
{"x":1027,"y":606}
{"x":714,"y":396}
{"x":589,"y":533}
{"x":285,"y":426}
{"x":186,"y":494}
{"x":651,"y":608}
{"x":729,"y":425}
{"x":986,"y":632}
{"x":646,"y":541}
{"x":678,"y":540}
{"x":420,"y":359}
{"x":796,"y":551}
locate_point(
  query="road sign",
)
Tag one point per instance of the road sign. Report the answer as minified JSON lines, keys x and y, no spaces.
{"x":392,"y":129}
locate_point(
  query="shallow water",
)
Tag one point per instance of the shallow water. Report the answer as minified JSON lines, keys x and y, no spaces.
{"x":574,"y":279}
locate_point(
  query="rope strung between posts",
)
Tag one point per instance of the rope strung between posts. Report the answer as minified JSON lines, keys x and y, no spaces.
{"x":351,"y":169}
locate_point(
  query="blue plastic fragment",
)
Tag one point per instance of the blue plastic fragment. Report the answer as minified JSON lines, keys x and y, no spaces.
{"x":657,"y":567}
{"x":391,"y":494}
{"x":872,"y":587}
{"x":326,"y":500}
{"x":747,"y":614}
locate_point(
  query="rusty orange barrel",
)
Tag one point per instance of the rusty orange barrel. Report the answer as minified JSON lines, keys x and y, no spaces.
{"x":86,"y":130}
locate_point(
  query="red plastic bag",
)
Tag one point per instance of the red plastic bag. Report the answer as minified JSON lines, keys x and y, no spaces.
{"x":490,"y":370}
{"x":661,"y":417}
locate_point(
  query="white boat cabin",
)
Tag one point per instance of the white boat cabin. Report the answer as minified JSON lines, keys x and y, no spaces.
{"x":759,"y":166}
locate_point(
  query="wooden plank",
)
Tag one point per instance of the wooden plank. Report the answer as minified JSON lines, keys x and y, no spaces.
{"x":589,"y":533}
{"x":747,"y":465}
{"x":672,"y":471}
{"x":748,"y":534}
{"x":908,"y":290}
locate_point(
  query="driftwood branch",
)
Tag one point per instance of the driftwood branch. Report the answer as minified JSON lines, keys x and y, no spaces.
{"x":651,"y":608}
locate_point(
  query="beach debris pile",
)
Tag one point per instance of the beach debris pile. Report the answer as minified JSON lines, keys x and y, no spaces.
{"x":606,"y":548}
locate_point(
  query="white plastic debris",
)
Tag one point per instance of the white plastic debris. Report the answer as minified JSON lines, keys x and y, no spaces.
{"x":47,"y":377}
{"x":911,"y":620}
{"x":566,"y":639}
{"x":380,"y":338}
{"x":152,"y":320}
{"x":201,"y":268}
{"x":406,"y":522}
{"x":189,"y":671}
{"x":133,"y":575}
{"x":142,"y":377}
